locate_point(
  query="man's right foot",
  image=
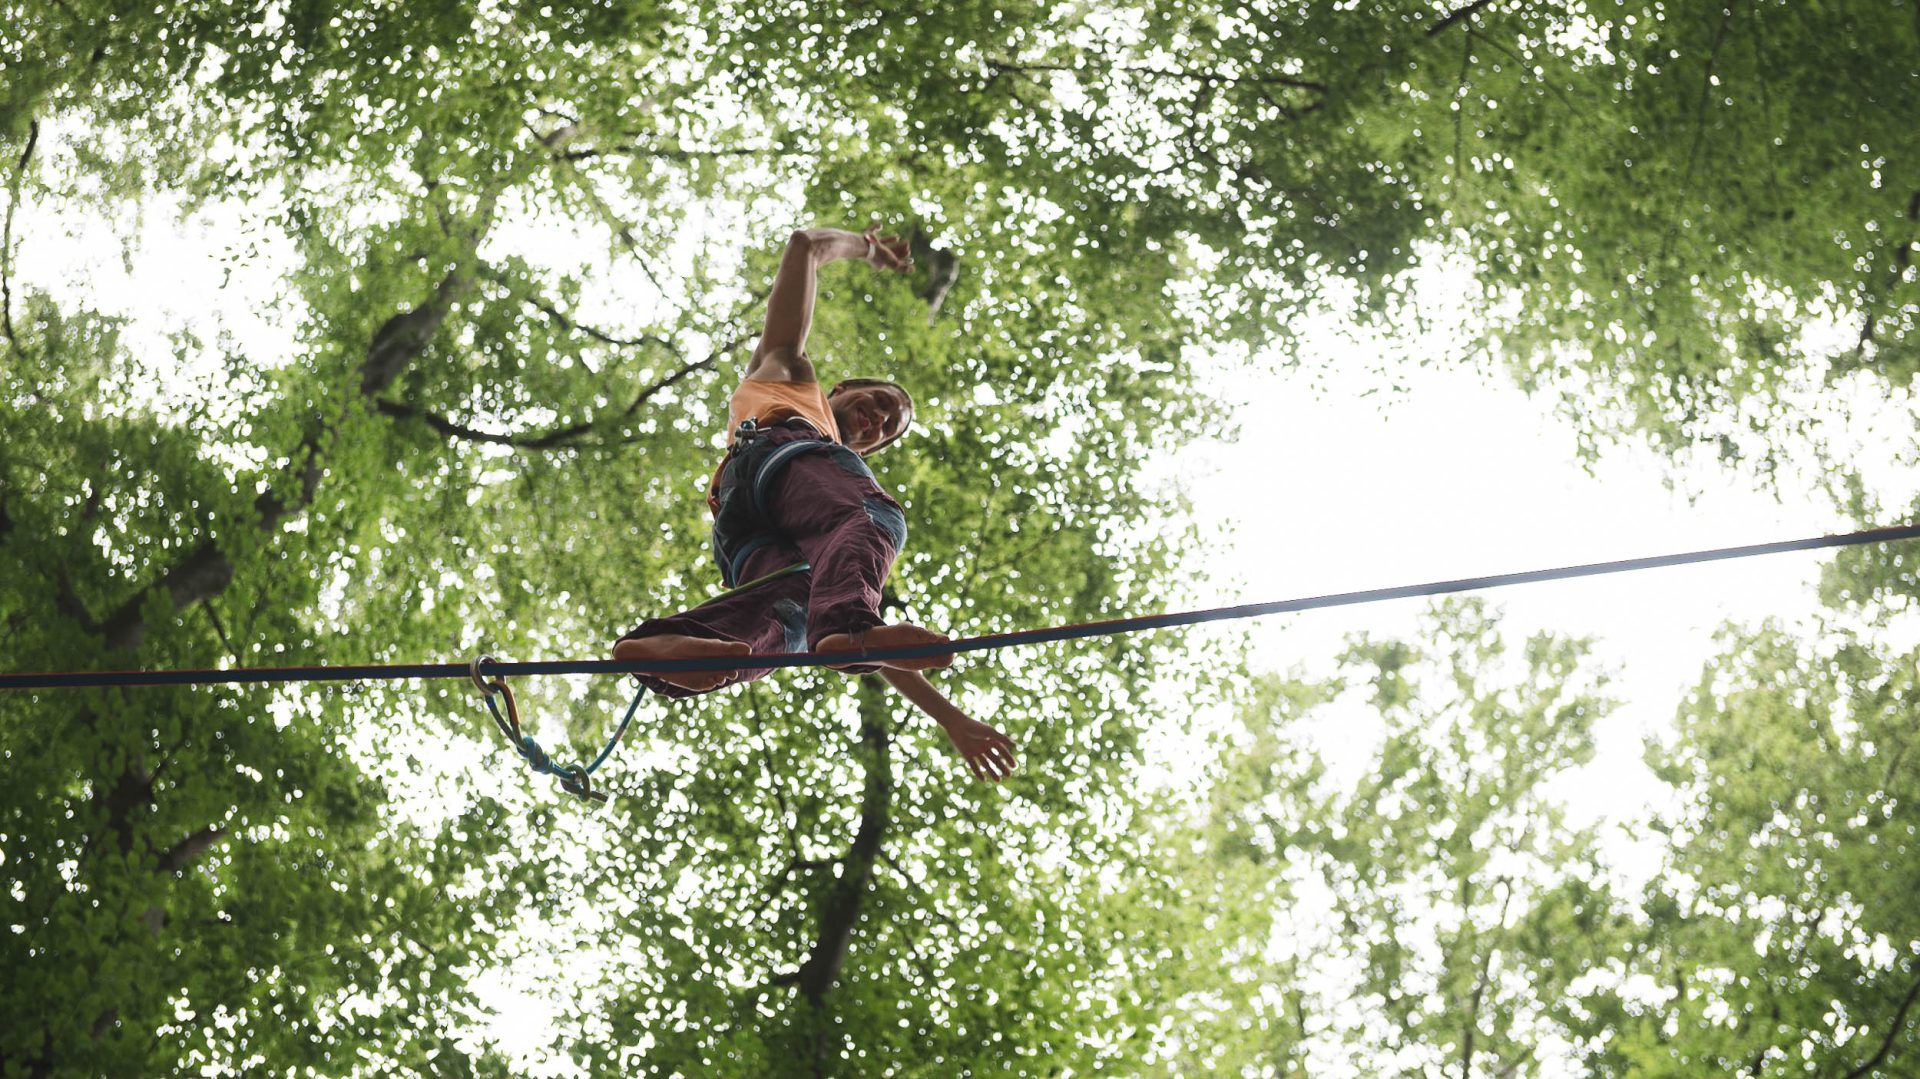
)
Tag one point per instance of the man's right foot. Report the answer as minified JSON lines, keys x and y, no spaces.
{"x":674,"y":646}
{"x":899,"y":636}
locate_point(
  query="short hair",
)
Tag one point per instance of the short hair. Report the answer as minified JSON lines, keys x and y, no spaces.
{"x":861,"y":383}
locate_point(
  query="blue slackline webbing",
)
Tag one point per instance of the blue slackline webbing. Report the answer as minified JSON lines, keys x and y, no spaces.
{"x":50,"y":680}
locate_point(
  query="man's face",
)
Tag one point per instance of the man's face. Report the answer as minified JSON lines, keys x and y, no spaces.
{"x":869,"y":416}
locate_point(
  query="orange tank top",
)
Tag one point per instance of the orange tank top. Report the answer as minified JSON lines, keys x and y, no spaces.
{"x":768,"y":403}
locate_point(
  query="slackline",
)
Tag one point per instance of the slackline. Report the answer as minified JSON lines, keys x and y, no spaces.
{"x":1110,"y":627}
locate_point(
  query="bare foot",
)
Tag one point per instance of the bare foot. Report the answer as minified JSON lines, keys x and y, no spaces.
{"x":675,"y":646}
{"x":900,"y":636}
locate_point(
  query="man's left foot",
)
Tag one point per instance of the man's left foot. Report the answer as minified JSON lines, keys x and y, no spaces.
{"x":900,"y":636}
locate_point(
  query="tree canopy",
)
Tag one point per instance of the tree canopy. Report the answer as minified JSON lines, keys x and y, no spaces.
{"x":514,"y":255}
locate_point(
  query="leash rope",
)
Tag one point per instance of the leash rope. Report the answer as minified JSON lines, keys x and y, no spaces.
{"x":575,"y":779}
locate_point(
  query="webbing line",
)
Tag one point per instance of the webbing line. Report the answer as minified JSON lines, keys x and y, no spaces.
{"x":370,"y":672}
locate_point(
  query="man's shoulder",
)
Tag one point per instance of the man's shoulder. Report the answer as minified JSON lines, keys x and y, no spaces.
{"x":781,"y":365}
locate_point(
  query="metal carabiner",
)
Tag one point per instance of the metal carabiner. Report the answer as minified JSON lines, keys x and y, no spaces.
{"x":509,"y":723}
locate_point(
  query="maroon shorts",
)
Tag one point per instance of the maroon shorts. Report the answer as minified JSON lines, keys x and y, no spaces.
{"x":821,"y":508}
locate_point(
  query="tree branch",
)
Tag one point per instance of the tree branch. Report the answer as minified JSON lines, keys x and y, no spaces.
{"x":554,"y":143}
{"x":189,"y":850}
{"x":561,"y":319}
{"x":1183,"y":74}
{"x":845,"y":897}
{"x":1457,"y":15}
{"x":567,"y":324}
{"x":219,"y":628}
{"x":453,"y":429}
{"x":676,"y":153}
{"x":558,"y":438}
{"x":1480,"y":985}
{"x":205,"y":571}
{"x":712,"y":360}
{"x":943,"y":269}
{"x":1894,"y":1029}
{"x":6,"y":238}
{"x":401,"y":339}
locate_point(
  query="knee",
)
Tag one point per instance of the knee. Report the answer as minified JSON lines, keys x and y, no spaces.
{"x":885,"y":515}
{"x":793,"y":624}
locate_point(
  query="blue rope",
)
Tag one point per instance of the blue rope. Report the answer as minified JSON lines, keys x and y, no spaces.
{"x":574,"y":779}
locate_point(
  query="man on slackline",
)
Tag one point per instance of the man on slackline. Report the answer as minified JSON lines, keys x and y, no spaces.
{"x":793,"y":488}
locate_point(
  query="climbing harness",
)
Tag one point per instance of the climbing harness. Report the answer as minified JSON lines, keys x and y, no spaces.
{"x":741,"y":521}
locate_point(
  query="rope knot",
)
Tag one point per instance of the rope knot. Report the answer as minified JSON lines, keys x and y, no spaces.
{"x":535,"y":756}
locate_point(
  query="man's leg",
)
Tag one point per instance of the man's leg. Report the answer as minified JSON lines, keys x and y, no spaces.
{"x":765,"y":619}
{"x":851,"y":531}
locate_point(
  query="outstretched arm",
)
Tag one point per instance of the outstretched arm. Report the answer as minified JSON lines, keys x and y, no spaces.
{"x":987,"y":752}
{"x":781,"y":355}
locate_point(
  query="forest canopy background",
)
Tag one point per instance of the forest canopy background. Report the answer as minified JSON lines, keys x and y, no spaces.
{"x":406,"y":428}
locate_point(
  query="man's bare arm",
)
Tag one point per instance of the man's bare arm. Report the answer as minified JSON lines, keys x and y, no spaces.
{"x":988,"y":753}
{"x":781,"y":355}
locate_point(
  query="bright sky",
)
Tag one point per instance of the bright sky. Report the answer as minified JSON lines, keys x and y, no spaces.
{"x":1349,"y":486}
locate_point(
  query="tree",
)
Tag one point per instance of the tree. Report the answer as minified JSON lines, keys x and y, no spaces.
{"x":1780,"y":938}
{"x":1424,"y":909}
{"x":465,"y":443}
{"x":452,"y":457}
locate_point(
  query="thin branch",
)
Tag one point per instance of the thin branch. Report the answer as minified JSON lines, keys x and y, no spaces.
{"x":66,"y":600}
{"x":219,"y":630}
{"x":6,"y":239}
{"x":627,"y":149}
{"x":552,"y":142}
{"x":1699,"y":123}
{"x":1894,"y":1030}
{"x":1524,"y":68}
{"x":1457,"y":15}
{"x":1183,"y":74}
{"x":567,"y":437}
{"x":1706,"y":89}
{"x":646,"y":394}
{"x":454,"y":429}
{"x":1480,"y":984}
{"x":1460,"y":105}
{"x":566,"y":322}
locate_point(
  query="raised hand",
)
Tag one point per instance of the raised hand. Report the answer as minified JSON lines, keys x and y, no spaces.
{"x":987,"y":752}
{"x":888,"y":252}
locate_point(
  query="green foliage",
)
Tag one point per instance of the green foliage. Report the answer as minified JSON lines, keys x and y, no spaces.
{"x":1426,"y":907}
{"x":469,"y":439}
{"x":1782,"y":937}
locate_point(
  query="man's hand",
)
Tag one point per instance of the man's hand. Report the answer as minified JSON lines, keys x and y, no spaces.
{"x":888,"y":252}
{"x":987,"y":752}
